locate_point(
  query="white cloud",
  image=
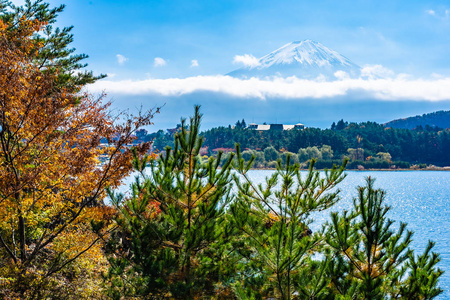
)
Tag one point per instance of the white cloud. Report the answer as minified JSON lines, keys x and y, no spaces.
{"x":437,"y":75}
{"x":247,"y":60}
{"x":159,"y":62}
{"x":376,"y":71}
{"x":194,"y":63}
{"x":442,"y":14}
{"x":341,"y":75}
{"x":398,"y":88}
{"x":121,"y":59}
{"x":404,"y":76}
{"x":111,"y":75}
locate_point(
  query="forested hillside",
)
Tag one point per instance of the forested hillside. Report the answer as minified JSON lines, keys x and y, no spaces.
{"x":361,"y":142}
{"x":439,"y":119}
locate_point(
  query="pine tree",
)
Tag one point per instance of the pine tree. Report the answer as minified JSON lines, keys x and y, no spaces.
{"x":356,"y":256}
{"x":274,"y":219}
{"x":183,"y":235}
{"x":368,"y":260}
{"x":341,"y":125}
{"x":55,"y":55}
{"x":173,"y":229}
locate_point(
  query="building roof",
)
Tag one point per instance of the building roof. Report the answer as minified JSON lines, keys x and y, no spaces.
{"x":263,"y":127}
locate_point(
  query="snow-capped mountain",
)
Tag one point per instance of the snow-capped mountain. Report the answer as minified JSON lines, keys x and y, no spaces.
{"x":306,"y":59}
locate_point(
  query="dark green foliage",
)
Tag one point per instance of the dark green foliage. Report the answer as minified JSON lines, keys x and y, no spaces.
{"x":432,"y":121}
{"x":326,"y":164}
{"x":410,"y":146}
{"x":160,"y":140}
{"x":173,"y":228}
{"x":402,"y":164}
{"x":370,"y":164}
{"x":241,"y":124}
{"x":369,"y":260}
{"x":187,"y":233}
{"x":340,"y":125}
{"x":57,"y":53}
{"x":274,"y":219}
{"x":423,"y":276}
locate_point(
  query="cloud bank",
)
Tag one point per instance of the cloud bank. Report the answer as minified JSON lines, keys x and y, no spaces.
{"x":398,"y":88}
{"x":376,"y":71}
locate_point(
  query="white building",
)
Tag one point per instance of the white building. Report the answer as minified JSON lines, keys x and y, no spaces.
{"x":280,"y":127}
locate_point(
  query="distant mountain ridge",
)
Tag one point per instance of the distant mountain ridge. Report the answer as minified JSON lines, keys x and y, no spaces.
{"x":304,"y":59}
{"x":436,"y":119}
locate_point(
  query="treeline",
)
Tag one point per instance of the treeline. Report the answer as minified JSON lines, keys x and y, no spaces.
{"x":363,"y":142}
{"x":324,"y":158}
{"x":440,"y":119}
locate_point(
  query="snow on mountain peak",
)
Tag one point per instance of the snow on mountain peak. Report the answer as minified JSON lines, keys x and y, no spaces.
{"x":305,"y":52}
{"x":304,"y":59}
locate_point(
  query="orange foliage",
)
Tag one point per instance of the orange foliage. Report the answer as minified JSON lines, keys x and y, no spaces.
{"x":152,"y":210}
{"x":59,"y":149}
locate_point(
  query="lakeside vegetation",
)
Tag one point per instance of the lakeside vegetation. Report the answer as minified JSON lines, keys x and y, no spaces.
{"x":184,"y":233}
{"x":367,"y":145}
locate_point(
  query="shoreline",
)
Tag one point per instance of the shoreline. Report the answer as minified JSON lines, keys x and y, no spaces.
{"x":375,"y":170}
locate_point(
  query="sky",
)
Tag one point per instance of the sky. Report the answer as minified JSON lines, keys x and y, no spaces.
{"x":175,"y":54}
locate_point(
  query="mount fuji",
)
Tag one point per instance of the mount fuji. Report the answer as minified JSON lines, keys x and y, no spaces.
{"x":303,"y":59}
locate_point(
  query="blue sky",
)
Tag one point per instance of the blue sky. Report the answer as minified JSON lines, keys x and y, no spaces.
{"x":405,"y":36}
{"x":179,"y":47}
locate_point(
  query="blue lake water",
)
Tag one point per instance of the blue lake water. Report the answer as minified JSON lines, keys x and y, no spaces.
{"x":419,"y":198}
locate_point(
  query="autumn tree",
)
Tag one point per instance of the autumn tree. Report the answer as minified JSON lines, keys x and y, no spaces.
{"x":59,"y":150}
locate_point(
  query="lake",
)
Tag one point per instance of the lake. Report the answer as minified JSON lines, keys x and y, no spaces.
{"x":419,"y":198}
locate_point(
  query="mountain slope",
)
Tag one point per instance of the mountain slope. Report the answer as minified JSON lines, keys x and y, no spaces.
{"x":436,"y":119}
{"x":305,"y":59}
